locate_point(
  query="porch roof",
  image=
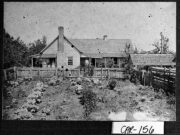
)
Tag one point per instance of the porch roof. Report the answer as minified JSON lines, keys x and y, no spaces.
{"x":103,"y":55}
{"x":92,"y":55}
{"x":44,"y":56}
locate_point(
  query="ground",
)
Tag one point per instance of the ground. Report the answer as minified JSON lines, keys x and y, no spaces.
{"x":68,"y":99}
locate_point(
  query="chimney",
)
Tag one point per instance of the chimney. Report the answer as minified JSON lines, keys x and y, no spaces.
{"x":61,"y":39}
{"x":105,"y":37}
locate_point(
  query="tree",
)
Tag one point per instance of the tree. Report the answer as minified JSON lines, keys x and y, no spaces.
{"x":15,"y":51}
{"x":37,"y":46}
{"x":162,"y":47}
{"x":136,"y":50}
{"x":157,"y":48}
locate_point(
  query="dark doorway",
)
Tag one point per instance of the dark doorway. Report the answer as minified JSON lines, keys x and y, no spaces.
{"x":93,"y":61}
{"x":82,"y":62}
{"x":115,"y":61}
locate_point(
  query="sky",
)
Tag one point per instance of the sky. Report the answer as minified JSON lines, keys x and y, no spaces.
{"x":141,"y":22}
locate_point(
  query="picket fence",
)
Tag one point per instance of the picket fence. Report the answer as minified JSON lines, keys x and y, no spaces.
{"x":26,"y":72}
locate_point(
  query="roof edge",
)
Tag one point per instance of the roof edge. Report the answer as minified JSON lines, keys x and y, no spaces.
{"x":48,"y":45}
{"x":72,"y":45}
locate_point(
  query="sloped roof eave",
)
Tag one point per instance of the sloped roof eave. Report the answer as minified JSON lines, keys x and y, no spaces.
{"x":44,"y":56}
{"x":48,"y":45}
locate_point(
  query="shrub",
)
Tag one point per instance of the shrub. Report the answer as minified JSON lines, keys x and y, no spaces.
{"x":109,"y":63}
{"x":171,"y":100}
{"x":22,"y":114}
{"x":112,"y":84}
{"x":88,"y":100}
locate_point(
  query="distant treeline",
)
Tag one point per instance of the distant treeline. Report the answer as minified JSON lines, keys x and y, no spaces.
{"x":16,"y":52}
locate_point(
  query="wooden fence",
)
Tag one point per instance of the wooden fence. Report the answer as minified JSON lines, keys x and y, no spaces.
{"x":9,"y":74}
{"x":164,"y":78}
{"x":49,"y":72}
{"x":118,"y":73}
{"x":158,"y":78}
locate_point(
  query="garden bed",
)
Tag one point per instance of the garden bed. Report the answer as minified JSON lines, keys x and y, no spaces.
{"x":86,"y":99}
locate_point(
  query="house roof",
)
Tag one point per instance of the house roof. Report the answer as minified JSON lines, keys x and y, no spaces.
{"x":94,"y":46}
{"x":152,"y":59}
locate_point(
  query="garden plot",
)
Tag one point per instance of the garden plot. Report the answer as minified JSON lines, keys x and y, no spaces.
{"x":86,"y":99}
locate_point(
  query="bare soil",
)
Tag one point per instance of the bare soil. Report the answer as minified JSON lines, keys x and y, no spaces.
{"x":62,"y":102}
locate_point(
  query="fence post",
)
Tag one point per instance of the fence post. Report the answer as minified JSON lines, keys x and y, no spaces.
{"x":164,"y":78}
{"x":31,"y":72}
{"x":63,"y":73}
{"x":56,"y":72}
{"x":108,"y":74}
{"x":5,"y":76}
{"x":79,"y":72}
{"x":101,"y":72}
{"x":38,"y":72}
{"x":150,"y":75}
{"x":14,"y":68}
{"x":168,"y":80}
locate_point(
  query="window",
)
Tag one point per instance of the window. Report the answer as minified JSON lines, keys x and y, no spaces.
{"x":70,"y":60}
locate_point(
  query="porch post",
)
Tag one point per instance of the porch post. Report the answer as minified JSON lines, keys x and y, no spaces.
{"x":105,"y":62}
{"x":56,"y":62}
{"x":32,"y":62}
{"x":88,"y":66}
{"x":95,"y":62}
{"x":119,"y":62}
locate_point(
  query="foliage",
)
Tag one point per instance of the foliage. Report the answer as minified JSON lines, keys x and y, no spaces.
{"x":134,"y":77}
{"x":37,"y":46}
{"x":109,"y":63}
{"x":136,"y":50}
{"x":88,"y":100}
{"x":161,"y":47}
{"x":112,"y":84}
{"x":16,"y":52}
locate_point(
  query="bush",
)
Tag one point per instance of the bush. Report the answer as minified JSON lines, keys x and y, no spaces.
{"x":112,"y":84}
{"x":88,"y":100}
{"x":109,"y":63}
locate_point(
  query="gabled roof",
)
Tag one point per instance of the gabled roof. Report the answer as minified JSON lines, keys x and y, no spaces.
{"x":152,"y":59}
{"x":92,"y":46}
{"x":49,"y":45}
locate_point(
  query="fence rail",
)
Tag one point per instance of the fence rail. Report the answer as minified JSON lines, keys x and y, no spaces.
{"x":164,"y":78}
{"x":26,"y":72}
{"x":159,"y":78}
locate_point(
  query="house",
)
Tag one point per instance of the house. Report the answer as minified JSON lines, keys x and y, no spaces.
{"x":146,"y":60}
{"x":63,"y":52}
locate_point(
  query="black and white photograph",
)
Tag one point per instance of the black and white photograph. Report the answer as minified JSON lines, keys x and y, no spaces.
{"x":89,"y":61}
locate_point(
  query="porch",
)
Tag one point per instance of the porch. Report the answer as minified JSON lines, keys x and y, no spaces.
{"x":106,"y":62}
{"x":50,"y":61}
{"x":44,"y":61}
